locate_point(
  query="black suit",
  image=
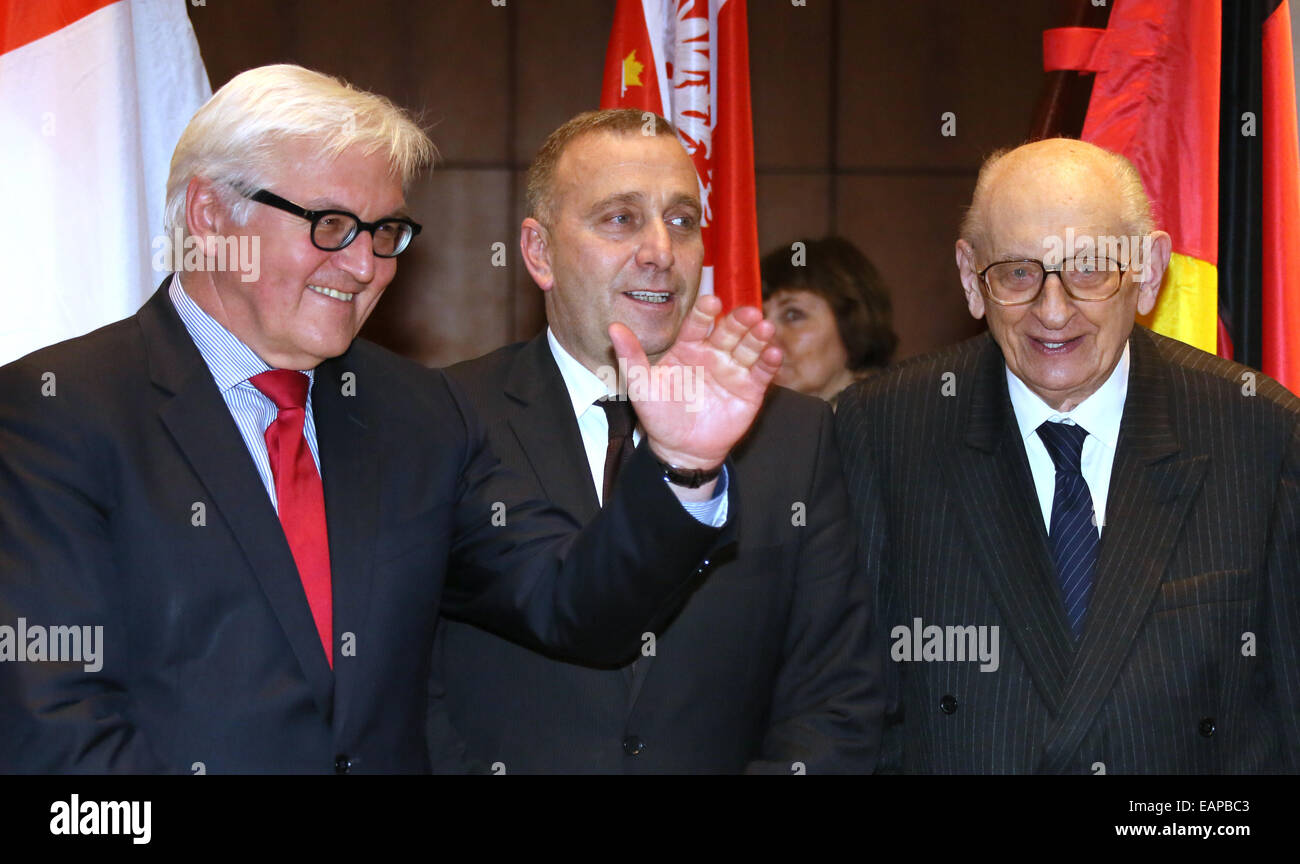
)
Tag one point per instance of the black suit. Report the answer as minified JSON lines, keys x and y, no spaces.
{"x":767,"y":665}
{"x":1188,"y":660}
{"x":129,"y":500}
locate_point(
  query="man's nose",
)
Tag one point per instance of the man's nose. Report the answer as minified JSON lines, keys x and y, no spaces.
{"x":358,"y":258}
{"x":656,"y":246}
{"x":1054,"y":307}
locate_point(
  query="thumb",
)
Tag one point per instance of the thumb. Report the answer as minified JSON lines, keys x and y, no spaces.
{"x":627,"y":347}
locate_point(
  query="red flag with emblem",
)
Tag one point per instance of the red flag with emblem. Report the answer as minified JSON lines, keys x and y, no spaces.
{"x":688,"y":60}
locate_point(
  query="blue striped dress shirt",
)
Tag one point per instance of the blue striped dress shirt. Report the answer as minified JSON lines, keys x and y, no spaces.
{"x":232,"y":363}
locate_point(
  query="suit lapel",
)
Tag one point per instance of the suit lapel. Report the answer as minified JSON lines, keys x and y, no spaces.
{"x":1151,"y":490}
{"x":200,"y":423}
{"x":547,"y":431}
{"x":995,"y":495}
{"x":349,"y":458}
{"x":548,"y":434}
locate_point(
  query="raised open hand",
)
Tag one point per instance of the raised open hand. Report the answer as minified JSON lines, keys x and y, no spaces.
{"x":703,"y":394}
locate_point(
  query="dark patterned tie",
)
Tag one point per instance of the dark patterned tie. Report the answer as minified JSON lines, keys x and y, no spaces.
{"x":622,"y":420}
{"x":1074,"y":528}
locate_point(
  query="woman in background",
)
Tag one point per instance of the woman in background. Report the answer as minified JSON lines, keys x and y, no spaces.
{"x":832,"y":315}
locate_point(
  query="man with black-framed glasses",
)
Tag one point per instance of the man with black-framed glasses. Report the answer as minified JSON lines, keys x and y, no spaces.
{"x":1084,"y":535}
{"x":332,"y":230}
{"x":249,"y":518}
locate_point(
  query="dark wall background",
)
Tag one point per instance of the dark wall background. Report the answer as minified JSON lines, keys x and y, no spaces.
{"x":848,"y":101}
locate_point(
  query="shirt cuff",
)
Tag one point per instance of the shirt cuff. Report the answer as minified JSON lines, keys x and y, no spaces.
{"x":714,"y":511}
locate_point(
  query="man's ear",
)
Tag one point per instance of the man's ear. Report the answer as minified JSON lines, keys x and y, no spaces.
{"x":534,"y":245}
{"x":1155,"y":261}
{"x":205,"y":215}
{"x":970,"y":280}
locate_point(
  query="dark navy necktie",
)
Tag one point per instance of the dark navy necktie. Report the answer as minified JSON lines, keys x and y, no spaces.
{"x":1074,"y":528}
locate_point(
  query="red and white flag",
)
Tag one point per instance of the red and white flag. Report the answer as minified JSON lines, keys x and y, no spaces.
{"x":688,"y":60}
{"x":93,"y":97}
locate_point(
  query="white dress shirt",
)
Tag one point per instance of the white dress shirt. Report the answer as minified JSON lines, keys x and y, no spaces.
{"x":1100,"y":414}
{"x":585,"y":387}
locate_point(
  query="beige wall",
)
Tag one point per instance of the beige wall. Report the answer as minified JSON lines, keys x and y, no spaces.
{"x":848,"y":99}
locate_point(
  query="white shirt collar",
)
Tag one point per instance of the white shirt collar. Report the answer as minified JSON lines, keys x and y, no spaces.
{"x":584,"y":386}
{"x":1100,"y":413}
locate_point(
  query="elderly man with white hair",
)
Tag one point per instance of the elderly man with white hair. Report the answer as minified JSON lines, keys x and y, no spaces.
{"x":1085,"y":536}
{"x":249,"y":519}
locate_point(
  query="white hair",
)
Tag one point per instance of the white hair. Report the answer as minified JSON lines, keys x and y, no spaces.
{"x":1135,"y":207}
{"x":234,"y":139}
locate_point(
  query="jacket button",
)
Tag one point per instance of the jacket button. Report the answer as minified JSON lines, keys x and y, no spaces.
{"x":342,"y":764}
{"x":1206,"y":727}
{"x":632,"y":745}
{"x":948,"y":704}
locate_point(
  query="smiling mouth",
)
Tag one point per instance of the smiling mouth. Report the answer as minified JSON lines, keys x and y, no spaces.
{"x":330,"y":292}
{"x":1057,"y":345}
{"x":650,"y":296}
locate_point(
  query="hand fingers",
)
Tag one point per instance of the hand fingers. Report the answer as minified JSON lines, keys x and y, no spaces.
{"x":700,"y":319}
{"x":744,"y":335}
{"x":766,"y":366}
{"x":731,"y":329}
{"x":753,"y":343}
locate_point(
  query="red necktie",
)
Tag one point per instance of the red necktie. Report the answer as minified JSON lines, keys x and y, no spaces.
{"x":299,"y":494}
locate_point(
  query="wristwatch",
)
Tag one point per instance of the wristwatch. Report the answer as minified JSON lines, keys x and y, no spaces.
{"x":691,"y":478}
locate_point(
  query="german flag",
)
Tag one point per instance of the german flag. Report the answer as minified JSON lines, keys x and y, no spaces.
{"x":1201,"y":97}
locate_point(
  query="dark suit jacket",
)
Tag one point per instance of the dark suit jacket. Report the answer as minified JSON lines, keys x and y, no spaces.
{"x":1188,"y":662}
{"x":767,"y":665}
{"x":128,"y":500}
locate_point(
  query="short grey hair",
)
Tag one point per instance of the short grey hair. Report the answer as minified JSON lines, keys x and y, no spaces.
{"x":540,"y":192}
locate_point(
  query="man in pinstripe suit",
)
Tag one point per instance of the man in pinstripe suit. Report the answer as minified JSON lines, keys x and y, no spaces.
{"x":1114,"y":513}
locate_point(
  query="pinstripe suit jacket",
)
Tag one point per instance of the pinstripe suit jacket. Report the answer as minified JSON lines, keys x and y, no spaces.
{"x":1189,"y":660}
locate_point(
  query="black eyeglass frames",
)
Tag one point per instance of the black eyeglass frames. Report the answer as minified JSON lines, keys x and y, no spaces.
{"x":332,"y":230}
